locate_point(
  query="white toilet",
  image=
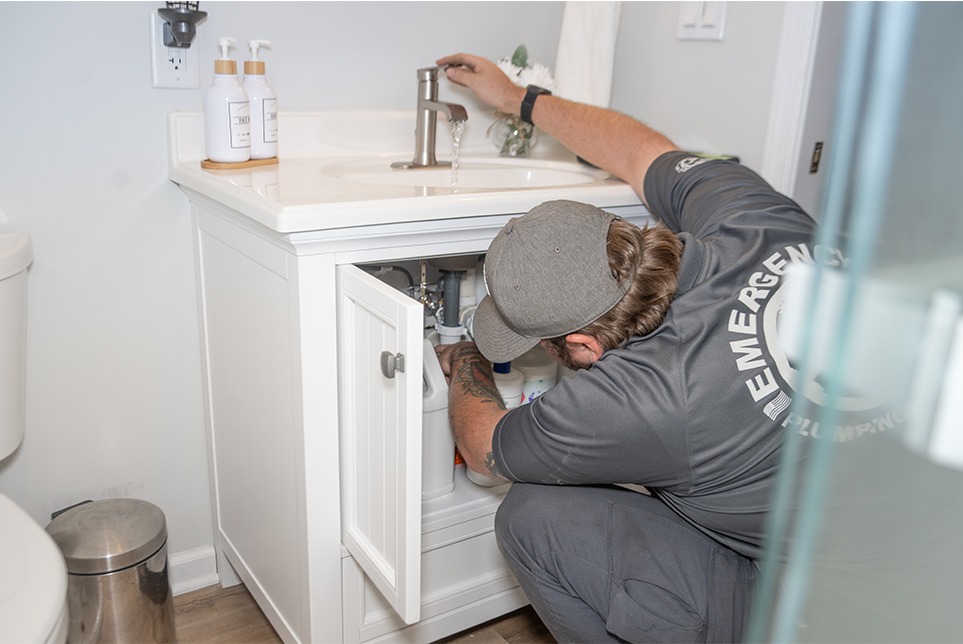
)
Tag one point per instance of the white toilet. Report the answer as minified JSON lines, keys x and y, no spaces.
{"x":33,"y":576}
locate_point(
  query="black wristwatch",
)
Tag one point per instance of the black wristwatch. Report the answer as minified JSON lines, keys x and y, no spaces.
{"x":534,"y":91}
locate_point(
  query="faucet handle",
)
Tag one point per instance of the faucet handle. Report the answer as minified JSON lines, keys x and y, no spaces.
{"x":428,"y":73}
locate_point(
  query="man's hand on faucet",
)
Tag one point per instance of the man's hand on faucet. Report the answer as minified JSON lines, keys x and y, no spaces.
{"x":485,"y":79}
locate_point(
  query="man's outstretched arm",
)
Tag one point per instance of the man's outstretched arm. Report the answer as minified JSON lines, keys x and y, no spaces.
{"x":619,"y":144}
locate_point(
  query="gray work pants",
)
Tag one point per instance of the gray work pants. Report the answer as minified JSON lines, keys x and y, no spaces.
{"x":604,"y":564}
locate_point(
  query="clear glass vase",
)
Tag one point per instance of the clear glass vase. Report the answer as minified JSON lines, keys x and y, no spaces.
{"x":512,"y":136}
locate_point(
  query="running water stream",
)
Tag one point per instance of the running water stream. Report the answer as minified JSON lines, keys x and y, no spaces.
{"x":457,"y":129}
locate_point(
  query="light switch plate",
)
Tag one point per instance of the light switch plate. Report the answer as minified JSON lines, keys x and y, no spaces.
{"x":171,"y":67}
{"x":701,"y":20}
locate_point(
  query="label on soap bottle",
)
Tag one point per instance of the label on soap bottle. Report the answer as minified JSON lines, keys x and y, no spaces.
{"x":270,"y":107}
{"x":240,"y":112}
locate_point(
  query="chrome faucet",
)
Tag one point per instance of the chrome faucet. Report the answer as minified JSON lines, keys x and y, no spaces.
{"x":427,"y":119}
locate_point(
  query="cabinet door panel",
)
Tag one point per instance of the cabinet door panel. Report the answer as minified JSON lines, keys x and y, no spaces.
{"x":381,"y":419}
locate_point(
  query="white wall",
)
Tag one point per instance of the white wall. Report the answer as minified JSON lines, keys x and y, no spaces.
{"x":114,"y":392}
{"x":706,"y":96}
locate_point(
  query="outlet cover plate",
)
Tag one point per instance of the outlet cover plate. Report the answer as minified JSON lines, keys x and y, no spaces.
{"x":701,"y":20}
{"x":171,"y":67}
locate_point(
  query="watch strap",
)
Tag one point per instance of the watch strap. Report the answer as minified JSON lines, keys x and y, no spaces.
{"x":529,"y":102}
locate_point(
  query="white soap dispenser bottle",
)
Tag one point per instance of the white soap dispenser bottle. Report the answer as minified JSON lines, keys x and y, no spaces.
{"x":264,"y":106}
{"x":227,"y":113}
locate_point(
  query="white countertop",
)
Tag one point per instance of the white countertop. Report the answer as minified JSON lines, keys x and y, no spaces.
{"x":307,"y":189}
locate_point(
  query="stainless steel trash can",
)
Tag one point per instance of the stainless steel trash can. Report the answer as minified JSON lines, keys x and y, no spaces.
{"x":116,"y":554}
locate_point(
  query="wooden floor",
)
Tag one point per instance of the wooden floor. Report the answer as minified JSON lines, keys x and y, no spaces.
{"x":216,"y":615}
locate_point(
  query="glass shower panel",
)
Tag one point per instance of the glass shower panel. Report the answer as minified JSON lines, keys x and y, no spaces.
{"x":866,"y":544}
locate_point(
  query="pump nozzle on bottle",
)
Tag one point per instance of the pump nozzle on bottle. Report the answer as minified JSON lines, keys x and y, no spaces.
{"x":225,"y":44}
{"x":255,"y":44}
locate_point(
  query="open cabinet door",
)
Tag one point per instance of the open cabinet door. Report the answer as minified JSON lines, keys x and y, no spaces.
{"x":380,"y":347}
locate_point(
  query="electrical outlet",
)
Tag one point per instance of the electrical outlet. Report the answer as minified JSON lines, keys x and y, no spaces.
{"x":171,"y":66}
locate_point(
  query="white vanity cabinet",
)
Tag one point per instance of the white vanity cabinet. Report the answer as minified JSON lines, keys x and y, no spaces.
{"x":315,"y":453}
{"x":293,"y":334}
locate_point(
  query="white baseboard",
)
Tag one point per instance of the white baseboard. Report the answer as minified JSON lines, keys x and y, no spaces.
{"x":192,"y":570}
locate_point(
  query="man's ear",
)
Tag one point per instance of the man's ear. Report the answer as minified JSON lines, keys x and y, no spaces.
{"x":585,"y":349}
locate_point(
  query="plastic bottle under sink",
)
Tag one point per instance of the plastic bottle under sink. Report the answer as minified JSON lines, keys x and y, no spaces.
{"x":438,"y":444}
{"x":509,"y":383}
{"x":539,"y":371}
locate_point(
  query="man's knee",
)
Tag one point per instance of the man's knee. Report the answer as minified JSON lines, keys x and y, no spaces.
{"x":517,"y":513}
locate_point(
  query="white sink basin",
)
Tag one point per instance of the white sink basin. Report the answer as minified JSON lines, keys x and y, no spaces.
{"x":473,"y":173}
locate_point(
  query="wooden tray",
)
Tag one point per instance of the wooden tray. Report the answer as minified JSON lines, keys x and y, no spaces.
{"x":239,"y":165}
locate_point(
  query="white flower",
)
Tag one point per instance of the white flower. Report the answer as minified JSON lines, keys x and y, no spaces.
{"x":533,"y":74}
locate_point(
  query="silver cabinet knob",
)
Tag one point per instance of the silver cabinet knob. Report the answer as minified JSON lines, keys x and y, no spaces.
{"x":391,"y":363}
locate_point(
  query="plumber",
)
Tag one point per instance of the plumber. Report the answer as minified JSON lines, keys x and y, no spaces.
{"x":672,"y":391}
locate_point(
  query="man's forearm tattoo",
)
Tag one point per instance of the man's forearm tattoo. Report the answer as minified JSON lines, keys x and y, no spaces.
{"x":474,"y":376}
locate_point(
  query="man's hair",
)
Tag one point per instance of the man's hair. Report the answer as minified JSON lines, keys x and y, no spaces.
{"x":653,"y":255}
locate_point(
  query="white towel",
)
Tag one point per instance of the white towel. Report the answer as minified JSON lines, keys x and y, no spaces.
{"x":586,"y":51}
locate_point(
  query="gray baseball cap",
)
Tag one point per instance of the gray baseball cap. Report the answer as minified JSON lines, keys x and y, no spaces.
{"x":548,"y":275}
